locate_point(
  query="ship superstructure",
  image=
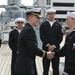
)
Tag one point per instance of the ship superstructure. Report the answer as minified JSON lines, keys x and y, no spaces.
{"x":13,"y":10}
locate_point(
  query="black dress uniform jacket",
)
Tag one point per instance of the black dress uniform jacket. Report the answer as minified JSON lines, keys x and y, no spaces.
{"x":28,"y":49}
{"x":51,"y":35}
{"x":68,"y":50}
{"x":13,"y":38}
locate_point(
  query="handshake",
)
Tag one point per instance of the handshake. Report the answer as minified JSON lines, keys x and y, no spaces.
{"x":50,"y":55}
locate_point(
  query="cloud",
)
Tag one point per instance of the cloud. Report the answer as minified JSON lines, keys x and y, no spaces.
{"x":24,"y":2}
{"x":27,"y":2}
{"x":3,"y":2}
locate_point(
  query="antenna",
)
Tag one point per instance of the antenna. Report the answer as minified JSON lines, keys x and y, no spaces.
{"x":13,"y":2}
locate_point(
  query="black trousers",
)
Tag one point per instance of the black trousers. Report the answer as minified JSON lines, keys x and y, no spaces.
{"x":13,"y":60}
{"x":71,"y":72}
{"x":55,"y":65}
{"x":29,"y":73}
{"x":21,"y":74}
{"x":35,"y":68}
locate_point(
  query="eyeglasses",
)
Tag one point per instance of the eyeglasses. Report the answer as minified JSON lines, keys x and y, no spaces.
{"x":20,"y":22}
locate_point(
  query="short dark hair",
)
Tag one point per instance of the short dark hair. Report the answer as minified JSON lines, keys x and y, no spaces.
{"x":27,"y":16}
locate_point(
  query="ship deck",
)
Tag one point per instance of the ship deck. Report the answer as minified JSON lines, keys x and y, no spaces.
{"x":5,"y":61}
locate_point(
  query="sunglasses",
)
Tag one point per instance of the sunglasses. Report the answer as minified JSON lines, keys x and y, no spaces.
{"x":20,"y":22}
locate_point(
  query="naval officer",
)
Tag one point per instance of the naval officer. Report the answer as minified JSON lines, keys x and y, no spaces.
{"x":27,"y":45}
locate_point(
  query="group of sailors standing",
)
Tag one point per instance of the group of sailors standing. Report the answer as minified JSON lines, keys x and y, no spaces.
{"x":23,"y":43}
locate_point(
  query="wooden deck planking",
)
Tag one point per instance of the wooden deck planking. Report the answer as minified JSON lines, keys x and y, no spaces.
{"x":5,"y":55}
{"x":5,"y":62}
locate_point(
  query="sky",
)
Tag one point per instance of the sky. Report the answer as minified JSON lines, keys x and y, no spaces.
{"x":24,"y":2}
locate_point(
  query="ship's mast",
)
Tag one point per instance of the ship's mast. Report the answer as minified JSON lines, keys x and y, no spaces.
{"x":14,"y":2}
